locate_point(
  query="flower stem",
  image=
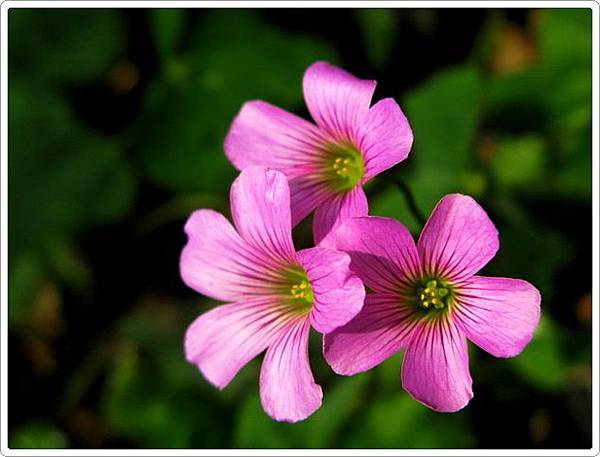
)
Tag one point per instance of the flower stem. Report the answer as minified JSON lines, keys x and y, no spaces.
{"x":410,"y":199}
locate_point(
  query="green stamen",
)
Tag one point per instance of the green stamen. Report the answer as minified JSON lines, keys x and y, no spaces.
{"x":433,"y":294}
{"x":302,"y":291}
{"x":297,"y":290}
{"x":344,"y":166}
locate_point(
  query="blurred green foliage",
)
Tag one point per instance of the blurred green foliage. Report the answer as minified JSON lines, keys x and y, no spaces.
{"x":38,"y":435}
{"x":201,"y":88}
{"x":68,"y":46}
{"x":509,"y":124}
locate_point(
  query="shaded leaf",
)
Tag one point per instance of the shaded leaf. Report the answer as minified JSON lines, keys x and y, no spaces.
{"x":379,"y":28}
{"x":520,"y":161}
{"x":255,"y":429}
{"x":234,"y":57}
{"x":58,"y":46}
{"x":542,"y":362}
{"x":141,"y":405}
{"x":26,"y":272}
{"x":167,"y":25}
{"x":65,"y":177}
{"x":398,"y":421}
{"x":443,"y":113}
{"x":37,"y":435}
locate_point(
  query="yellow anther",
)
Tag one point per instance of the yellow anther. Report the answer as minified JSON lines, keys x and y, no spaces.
{"x":301,"y":290}
{"x":432,"y":294}
{"x":343,"y":165}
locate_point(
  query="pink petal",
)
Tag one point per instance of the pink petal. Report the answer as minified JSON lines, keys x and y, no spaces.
{"x":385,"y":137}
{"x":381,"y":329}
{"x":306,"y":196}
{"x":498,"y":314}
{"x":458,"y":239}
{"x":435,"y":370}
{"x":287,"y":388}
{"x":260,"y":207}
{"x":383,"y":252}
{"x":337,"y":209}
{"x":221,"y":341}
{"x":337,"y":101}
{"x":262,"y":134}
{"x":338,"y":293}
{"x":217,"y":263}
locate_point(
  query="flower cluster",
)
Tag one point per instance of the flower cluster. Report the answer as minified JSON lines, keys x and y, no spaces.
{"x":424,"y":298}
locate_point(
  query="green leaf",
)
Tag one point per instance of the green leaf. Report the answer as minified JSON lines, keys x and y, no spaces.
{"x":443,"y":113}
{"x":37,"y":435}
{"x":378,"y":27}
{"x":555,"y":94}
{"x":398,"y":421}
{"x":255,"y":429}
{"x":566,"y":35}
{"x":186,"y":153}
{"x":153,"y":396}
{"x":142,"y":405}
{"x":157,"y":326}
{"x":58,"y":46}
{"x":26,"y":272}
{"x":388,"y":375}
{"x":325,"y":428}
{"x":392,"y":203}
{"x":542,"y":362}
{"x":66,"y":177}
{"x":167,"y":27}
{"x":234,"y":57}
{"x":520,"y":161}
{"x":67,"y":265}
{"x":137,"y":408}
{"x":575,"y":177}
{"x":541,"y":242}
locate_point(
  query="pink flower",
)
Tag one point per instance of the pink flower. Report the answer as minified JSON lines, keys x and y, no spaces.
{"x":429,"y":301}
{"x":276,"y":294}
{"x":328,"y":163}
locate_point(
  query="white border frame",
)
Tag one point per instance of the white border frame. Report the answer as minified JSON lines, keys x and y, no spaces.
{"x":6,"y":5}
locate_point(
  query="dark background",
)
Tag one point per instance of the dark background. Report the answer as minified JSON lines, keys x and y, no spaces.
{"x":116,"y":123}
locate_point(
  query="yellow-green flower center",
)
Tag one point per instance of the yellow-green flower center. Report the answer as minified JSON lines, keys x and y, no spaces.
{"x":302,"y":291}
{"x":296,"y":290}
{"x":344,"y":166}
{"x":433,"y":294}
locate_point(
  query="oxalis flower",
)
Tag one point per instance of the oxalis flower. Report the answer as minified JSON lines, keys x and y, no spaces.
{"x":329,"y":162}
{"x":429,"y":301}
{"x":276,"y":294}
